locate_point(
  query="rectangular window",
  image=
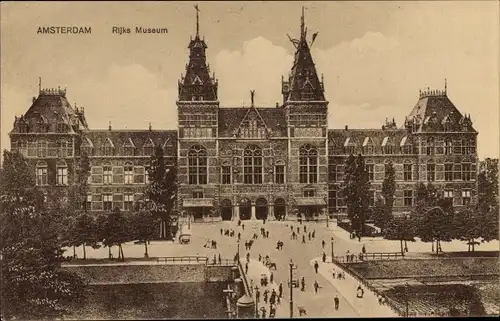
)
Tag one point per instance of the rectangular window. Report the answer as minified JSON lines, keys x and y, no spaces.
{"x":41,"y":176}
{"x":279,"y":174}
{"x":96,"y":175}
{"x":128,"y":151}
{"x":370,"y":170}
{"x":129,"y":174}
{"x":146,"y":174}
{"x":128,"y":202}
{"x":340,"y":173}
{"x":139,"y":175}
{"x":457,"y":172}
{"x":97,"y":202}
{"x":466,"y":197}
{"x":225,"y":175}
{"x":313,"y":170}
{"x":332,"y":199}
{"x":408,"y":197}
{"x":107,"y":202}
{"x":332,"y":173}
{"x":198,"y":194}
{"x":148,"y":150}
{"x":62,"y":176}
{"x":309,"y":193}
{"x":431,"y":172}
{"x":108,"y":175}
{"x":87,"y":204}
{"x":448,"y":172}
{"x":303,"y":169}
{"x":407,"y":172}
{"x":108,"y":151}
{"x":406,"y":150}
{"x":118,"y":201}
{"x":118,"y":175}
{"x":466,"y":170}
{"x":448,"y":194}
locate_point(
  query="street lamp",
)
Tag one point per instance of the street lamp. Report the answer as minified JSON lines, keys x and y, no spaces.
{"x":332,"y":250}
{"x":256,"y":303}
{"x":238,"y":249}
{"x":292,"y":267}
{"x":406,"y":299}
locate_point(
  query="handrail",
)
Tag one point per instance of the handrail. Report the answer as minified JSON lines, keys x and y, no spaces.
{"x":248,"y":289}
{"x":189,"y":259}
{"x":391,"y":303}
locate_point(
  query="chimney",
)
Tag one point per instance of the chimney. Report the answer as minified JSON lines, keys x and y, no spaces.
{"x":277,"y":105}
{"x":346,"y":127}
{"x":34,"y":98}
{"x":109,"y":127}
{"x":149,"y":126}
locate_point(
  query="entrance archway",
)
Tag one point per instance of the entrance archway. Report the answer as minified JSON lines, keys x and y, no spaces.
{"x":279,"y":209}
{"x":245,"y":209}
{"x":226,"y":210}
{"x":261,"y":209}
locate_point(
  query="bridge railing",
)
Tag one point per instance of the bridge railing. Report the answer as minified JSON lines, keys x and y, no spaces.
{"x":369,"y":257}
{"x":182,"y":259}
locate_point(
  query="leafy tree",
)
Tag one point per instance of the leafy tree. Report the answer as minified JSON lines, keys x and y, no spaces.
{"x":436,"y":225}
{"x":380,"y":215}
{"x":349,"y":186}
{"x":389,"y":186}
{"x":145,"y":227}
{"x":162,"y":189}
{"x":402,"y":229}
{"x":488,"y":199}
{"x":117,"y":231}
{"x":34,"y":285}
{"x":85,"y":232}
{"x":466,"y":227}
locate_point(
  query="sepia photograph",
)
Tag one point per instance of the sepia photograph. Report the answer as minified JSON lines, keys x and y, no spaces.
{"x":249,"y":159}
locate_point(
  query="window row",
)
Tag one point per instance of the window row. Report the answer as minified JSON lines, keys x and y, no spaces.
{"x":462,"y":147}
{"x":110,"y":201}
{"x":42,"y":174}
{"x":253,"y":167}
{"x":42,"y":148}
{"x":388,"y":149}
{"x":127,"y":174}
{"x":125,"y":151}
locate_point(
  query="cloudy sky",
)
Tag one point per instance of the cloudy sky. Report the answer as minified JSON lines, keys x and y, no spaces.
{"x":375,"y":56}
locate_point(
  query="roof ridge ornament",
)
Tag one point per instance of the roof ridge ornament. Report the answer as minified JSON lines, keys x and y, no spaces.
{"x":197,"y":21}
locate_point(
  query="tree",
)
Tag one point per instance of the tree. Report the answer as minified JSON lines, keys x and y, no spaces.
{"x":466,"y":226}
{"x":34,"y":285}
{"x":161,"y":191}
{"x":488,"y":199}
{"x":349,"y":186}
{"x":436,"y":225}
{"x":145,"y":226}
{"x":389,"y":186}
{"x":85,"y":232}
{"x":380,"y":215}
{"x":117,"y":231}
{"x":402,"y":229}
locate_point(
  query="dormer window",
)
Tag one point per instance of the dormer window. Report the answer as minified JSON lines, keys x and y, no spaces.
{"x":349,"y":146}
{"x":128,"y":148}
{"x":87,"y":147}
{"x":368,"y":147}
{"x":149,"y":147}
{"x":109,"y":148}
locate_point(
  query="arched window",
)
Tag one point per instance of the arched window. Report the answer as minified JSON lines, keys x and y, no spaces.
{"x":279,"y":172}
{"x":252,"y":165}
{"x":225,"y":173}
{"x":308,"y":164}
{"x":129,"y":173}
{"x":62,"y":173}
{"x":41,"y":173}
{"x":197,"y":165}
{"x":448,"y":146}
{"x":107,"y":173}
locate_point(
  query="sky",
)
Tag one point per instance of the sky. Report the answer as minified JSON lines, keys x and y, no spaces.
{"x":375,"y":56}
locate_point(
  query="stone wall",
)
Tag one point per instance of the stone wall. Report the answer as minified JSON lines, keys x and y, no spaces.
{"x":155,"y":273}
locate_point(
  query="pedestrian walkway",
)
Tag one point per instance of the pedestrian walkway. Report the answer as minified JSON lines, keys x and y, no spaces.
{"x":366,"y":306}
{"x":255,"y":271}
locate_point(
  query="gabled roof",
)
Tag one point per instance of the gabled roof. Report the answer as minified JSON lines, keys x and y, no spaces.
{"x":141,"y":138}
{"x":251,"y":111}
{"x":128,"y":143}
{"x":340,"y":138}
{"x":231,"y":118}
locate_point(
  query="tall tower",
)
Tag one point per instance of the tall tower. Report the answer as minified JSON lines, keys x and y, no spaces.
{"x":197,"y":109}
{"x":306,"y":115}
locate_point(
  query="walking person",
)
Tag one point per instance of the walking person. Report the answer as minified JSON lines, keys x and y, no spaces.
{"x":309,"y":235}
{"x":305,"y":229}
{"x":257,"y":295}
{"x":324,"y":257}
{"x":221,"y":231}
{"x":267,"y":234}
{"x":363,"y":249}
{"x":336,"y":302}
{"x":271,"y":278}
{"x":316,"y":266}
{"x":323,"y":244}
{"x":246,"y":268}
{"x":303,"y":238}
{"x":316,"y":286}
{"x":248,"y":257}
{"x":239,"y":236}
{"x":220,"y":260}
{"x":280,"y":290}
{"x":314,"y":233}
{"x":303,"y":284}
{"x":266,"y":296}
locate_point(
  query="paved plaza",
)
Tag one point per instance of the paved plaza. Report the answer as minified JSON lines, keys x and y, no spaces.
{"x":303,"y":255}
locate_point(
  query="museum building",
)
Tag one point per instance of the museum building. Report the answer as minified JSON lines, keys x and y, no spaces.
{"x":255,"y":161}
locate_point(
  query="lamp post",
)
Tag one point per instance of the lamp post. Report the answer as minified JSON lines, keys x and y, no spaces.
{"x":292,"y":267}
{"x":256,"y":303}
{"x":238,"y":249}
{"x":327,"y":216}
{"x":332,"y":250}
{"x":406,"y":299}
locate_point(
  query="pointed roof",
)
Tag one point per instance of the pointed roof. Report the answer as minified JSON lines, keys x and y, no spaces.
{"x":303,"y":82}
{"x":434,"y":110}
{"x":251,"y":111}
{"x":197,"y":84}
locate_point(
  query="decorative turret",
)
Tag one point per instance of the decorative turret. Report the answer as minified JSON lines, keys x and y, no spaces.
{"x":197,"y":85}
{"x":303,"y":83}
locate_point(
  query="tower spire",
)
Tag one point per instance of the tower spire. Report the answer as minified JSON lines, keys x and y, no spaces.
{"x":252,"y":94}
{"x":39,"y":84}
{"x":197,"y":21}
{"x":302,"y":26}
{"x":445,"y":86}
